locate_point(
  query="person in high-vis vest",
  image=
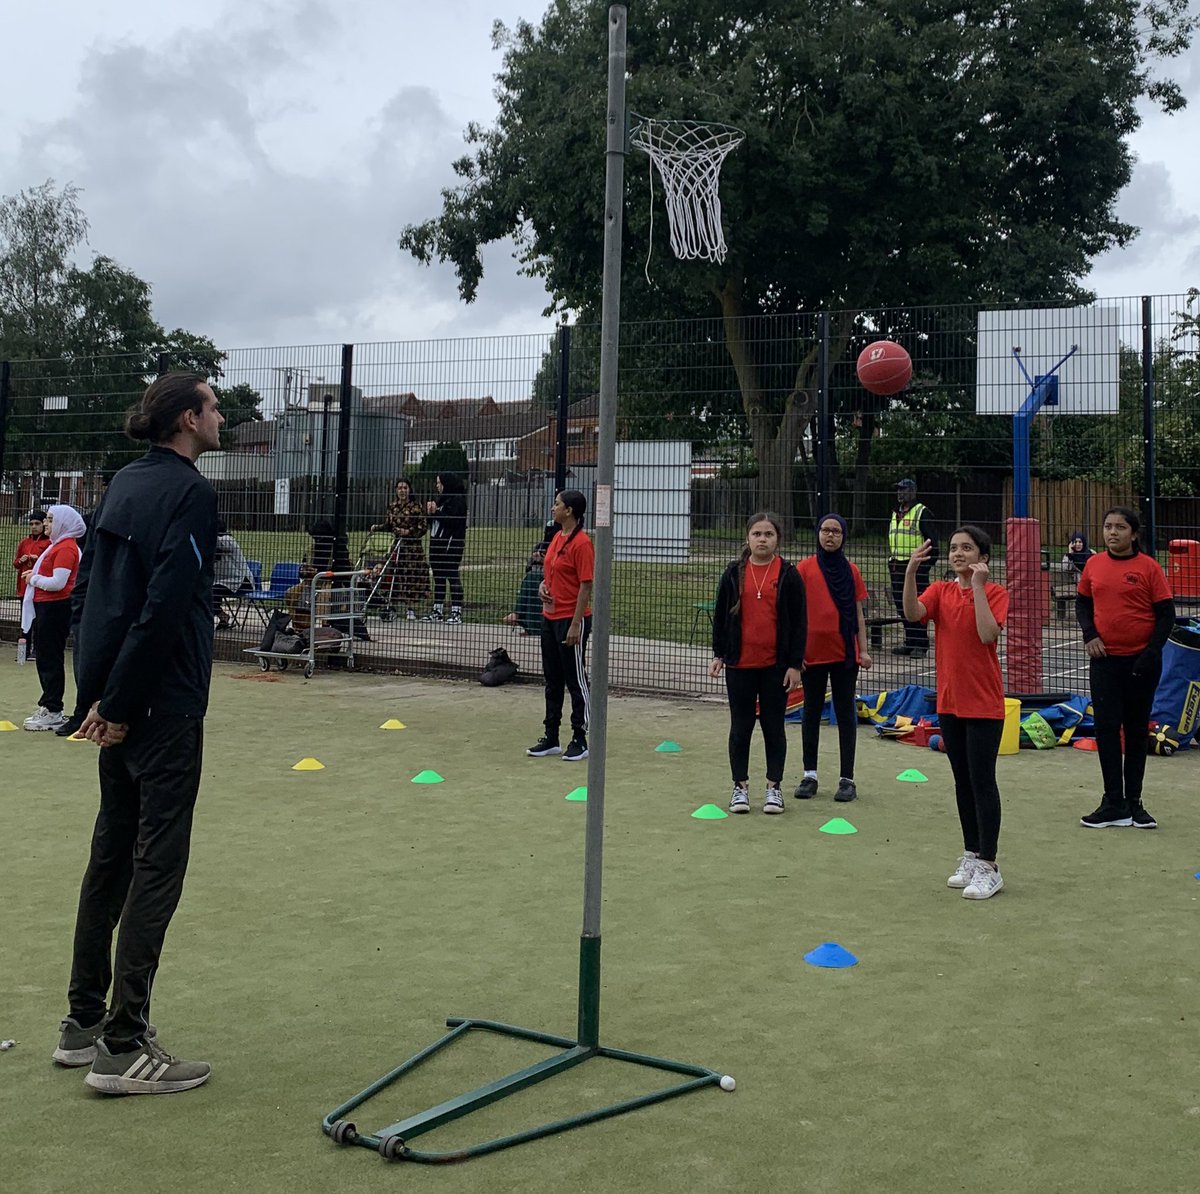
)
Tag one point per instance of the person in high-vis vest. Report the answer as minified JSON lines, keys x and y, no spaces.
{"x":911,"y":525}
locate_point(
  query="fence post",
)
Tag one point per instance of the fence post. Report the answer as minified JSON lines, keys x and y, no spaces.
{"x":564,"y":406}
{"x":164,"y":363}
{"x":1149,"y":501}
{"x":5,"y":380}
{"x":341,"y":499}
{"x":826,"y":449}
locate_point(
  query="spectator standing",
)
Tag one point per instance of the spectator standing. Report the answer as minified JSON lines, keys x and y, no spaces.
{"x":406,"y":576}
{"x":447,"y":542}
{"x":911,"y":526}
{"x":28,"y":551}
{"x":49,"y":581}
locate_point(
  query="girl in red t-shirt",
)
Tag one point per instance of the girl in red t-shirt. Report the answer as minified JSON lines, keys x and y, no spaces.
{"x":836,"y":649}
{"x":1125,"y":611}
{"x":758,"y":640}
{"x":969,"y":613}
{"x":47,"y":601}
{"x":566,"y":595}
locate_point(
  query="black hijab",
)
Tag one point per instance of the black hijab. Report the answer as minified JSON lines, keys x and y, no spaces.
{"x":1079,"y":558}
{"x":839,"y":579}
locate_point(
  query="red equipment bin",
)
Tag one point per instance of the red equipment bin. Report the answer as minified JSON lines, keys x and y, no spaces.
{"x":1183,"y":567}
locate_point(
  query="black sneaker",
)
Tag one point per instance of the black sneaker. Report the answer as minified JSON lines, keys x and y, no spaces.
{"x":1107,"y":816}
{"x":69,"y":727}
{"x":576,"y":750}
{"x":77,"y":1044}
{"x":1140,"y":818}
{"x":146,"y":1070}
{"x":806,"y":789}
{"x":846,"y":791}
{"x":544,"y":746}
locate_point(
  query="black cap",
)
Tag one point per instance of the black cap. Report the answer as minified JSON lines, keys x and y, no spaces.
{"x":37,"y":516}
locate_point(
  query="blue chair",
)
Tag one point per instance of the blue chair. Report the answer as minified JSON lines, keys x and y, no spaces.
{"x":283,"y":576}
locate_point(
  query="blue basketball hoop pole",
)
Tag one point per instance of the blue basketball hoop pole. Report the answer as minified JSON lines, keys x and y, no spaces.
{"x":1043,"y":391}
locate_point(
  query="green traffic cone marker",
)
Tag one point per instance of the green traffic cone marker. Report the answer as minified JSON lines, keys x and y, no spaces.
{"x":668,"y":748}
{"x":709,"y":812}
{"x":838,"y":825}
{"x":577,"y":794}
{"x":428,"y":777}
{"x":912,"y":776}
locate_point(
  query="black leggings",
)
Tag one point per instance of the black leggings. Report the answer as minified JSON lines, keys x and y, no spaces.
{"x":1122,"y":701}
{"x":764,"y":685}
{"x":972,"y":744}
{"x":445,"y":559}
{"x":565,"y":670}
{"x":53,"y":621}
{"x":843,"y":679}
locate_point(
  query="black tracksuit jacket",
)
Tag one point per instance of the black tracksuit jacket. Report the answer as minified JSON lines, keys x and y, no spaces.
{"x":791,"y":618}
{"x":144,"y":592}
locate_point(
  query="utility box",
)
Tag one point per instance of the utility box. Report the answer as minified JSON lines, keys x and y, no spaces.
{"x":1183,"y":567}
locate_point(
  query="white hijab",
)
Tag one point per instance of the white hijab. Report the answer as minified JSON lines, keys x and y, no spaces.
{"x":66,"y":523}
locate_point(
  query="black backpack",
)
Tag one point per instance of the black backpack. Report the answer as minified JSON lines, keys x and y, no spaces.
{"x":500,"y":669}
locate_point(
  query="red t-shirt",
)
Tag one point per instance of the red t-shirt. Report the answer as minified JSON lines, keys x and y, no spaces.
{"x":64,"y":554}
{"x":968,"y":671}
{"x":825,"y":643}
{"x":760,"y":634}
{"x":1123,"y":593}
{"x":570,"y":563}
{"x":29,"y":546}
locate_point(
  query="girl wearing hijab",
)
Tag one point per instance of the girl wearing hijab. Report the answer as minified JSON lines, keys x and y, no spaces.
{"x":49,"y":583}
{"x":835,"y":650}
{"x":1078,"y":554}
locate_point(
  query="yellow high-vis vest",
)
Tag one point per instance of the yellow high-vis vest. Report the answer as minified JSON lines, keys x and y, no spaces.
{"x":904,"y":534}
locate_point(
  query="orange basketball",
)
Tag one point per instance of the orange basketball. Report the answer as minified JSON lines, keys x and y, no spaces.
{"x":884,"y":367}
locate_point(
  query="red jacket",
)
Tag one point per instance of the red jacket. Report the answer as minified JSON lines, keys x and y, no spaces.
{"x":29,"y":546}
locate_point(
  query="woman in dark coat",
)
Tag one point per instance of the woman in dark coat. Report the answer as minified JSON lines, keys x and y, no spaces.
{"x":447,"y":540}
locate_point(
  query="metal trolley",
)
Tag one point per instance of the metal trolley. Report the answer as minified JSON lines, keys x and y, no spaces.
{"x":334,"y":599}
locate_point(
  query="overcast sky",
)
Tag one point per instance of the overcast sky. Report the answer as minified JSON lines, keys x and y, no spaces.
{"x":256,"y":160}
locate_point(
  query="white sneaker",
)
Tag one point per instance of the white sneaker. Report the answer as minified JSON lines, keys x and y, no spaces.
{"x":964,"y":871}
{"x":773,"y":804}
{"x":985,"y":882}
{"x":43,"y":719}
{"x":411,"y":616}
{"x":739,"y":802}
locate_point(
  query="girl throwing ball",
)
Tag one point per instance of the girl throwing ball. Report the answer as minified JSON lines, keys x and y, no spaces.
{"x":758,"y":640}
{"x":969,"y":612}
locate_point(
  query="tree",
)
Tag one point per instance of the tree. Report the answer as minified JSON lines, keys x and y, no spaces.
{"x":448,"y":456}
{"x":897,"y":152}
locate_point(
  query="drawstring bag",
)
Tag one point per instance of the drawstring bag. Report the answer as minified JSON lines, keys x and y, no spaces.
{"x":1037,"y":732}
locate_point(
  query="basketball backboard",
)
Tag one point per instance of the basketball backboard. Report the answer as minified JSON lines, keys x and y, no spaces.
{"x":1088,"y":382}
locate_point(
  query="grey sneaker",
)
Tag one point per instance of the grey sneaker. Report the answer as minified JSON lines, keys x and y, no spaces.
{"x":807,"y":788}
{"x":147,"y":1070}
{"x":773,"y":803}
{"x":77,"y":1045}
{"x":846,"y":791}
{"x":43,"y":719}
{"x":739,"y":802}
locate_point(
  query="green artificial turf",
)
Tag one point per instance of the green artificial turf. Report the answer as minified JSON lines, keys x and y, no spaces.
{"x":1043,"y":1040}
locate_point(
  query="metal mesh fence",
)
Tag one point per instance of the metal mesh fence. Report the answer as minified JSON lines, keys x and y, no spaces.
{"x":716,"y":421}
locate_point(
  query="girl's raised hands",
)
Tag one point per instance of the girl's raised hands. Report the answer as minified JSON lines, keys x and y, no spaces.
{"x":979,"y":575}
{"x":919,"y":556}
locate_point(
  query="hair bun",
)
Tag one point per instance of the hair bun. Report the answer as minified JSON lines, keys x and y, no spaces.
{"x":137,"y":425}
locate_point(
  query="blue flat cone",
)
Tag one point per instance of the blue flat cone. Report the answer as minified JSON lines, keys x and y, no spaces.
{"x":668,"y":748}
{"x":831,"y":956}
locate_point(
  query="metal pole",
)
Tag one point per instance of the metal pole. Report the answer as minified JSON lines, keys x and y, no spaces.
{"x":610,"y":320}
{"x":341,"y":499}
{"x":826,"y":448}
{"x":1147,"y":538}
{"x":564,"y":407}
{"x":5,"y":383}
{"x":164,"y":363}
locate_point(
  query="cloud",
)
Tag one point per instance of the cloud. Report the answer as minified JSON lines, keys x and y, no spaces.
{"x":226,"y":167}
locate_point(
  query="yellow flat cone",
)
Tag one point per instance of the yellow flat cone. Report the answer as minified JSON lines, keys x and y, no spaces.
{"x":7,"y":725}
{"x":309,"y":765}
{"x":393,"y":724}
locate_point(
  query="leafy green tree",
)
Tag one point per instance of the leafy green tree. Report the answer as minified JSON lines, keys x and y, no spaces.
{"x":449,"y":456}
{"x":897,"y":151}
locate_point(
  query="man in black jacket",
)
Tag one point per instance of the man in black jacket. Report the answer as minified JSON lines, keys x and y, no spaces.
{"x":145,"y":662}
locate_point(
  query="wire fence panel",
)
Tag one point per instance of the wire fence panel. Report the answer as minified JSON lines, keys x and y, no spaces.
{"x":717,"y":420}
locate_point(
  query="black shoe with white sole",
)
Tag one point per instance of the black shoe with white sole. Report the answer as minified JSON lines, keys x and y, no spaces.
{"x":576,"y":750}
{"x":1107,"y":816}
{"x":1140,"y":818}
{"x":543,"y":747}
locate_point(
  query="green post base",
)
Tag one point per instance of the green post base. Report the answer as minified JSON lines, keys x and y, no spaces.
{"x":391,"y":1141}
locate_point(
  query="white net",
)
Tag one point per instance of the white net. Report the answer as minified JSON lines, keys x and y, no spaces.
{"x":688,"y":155}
